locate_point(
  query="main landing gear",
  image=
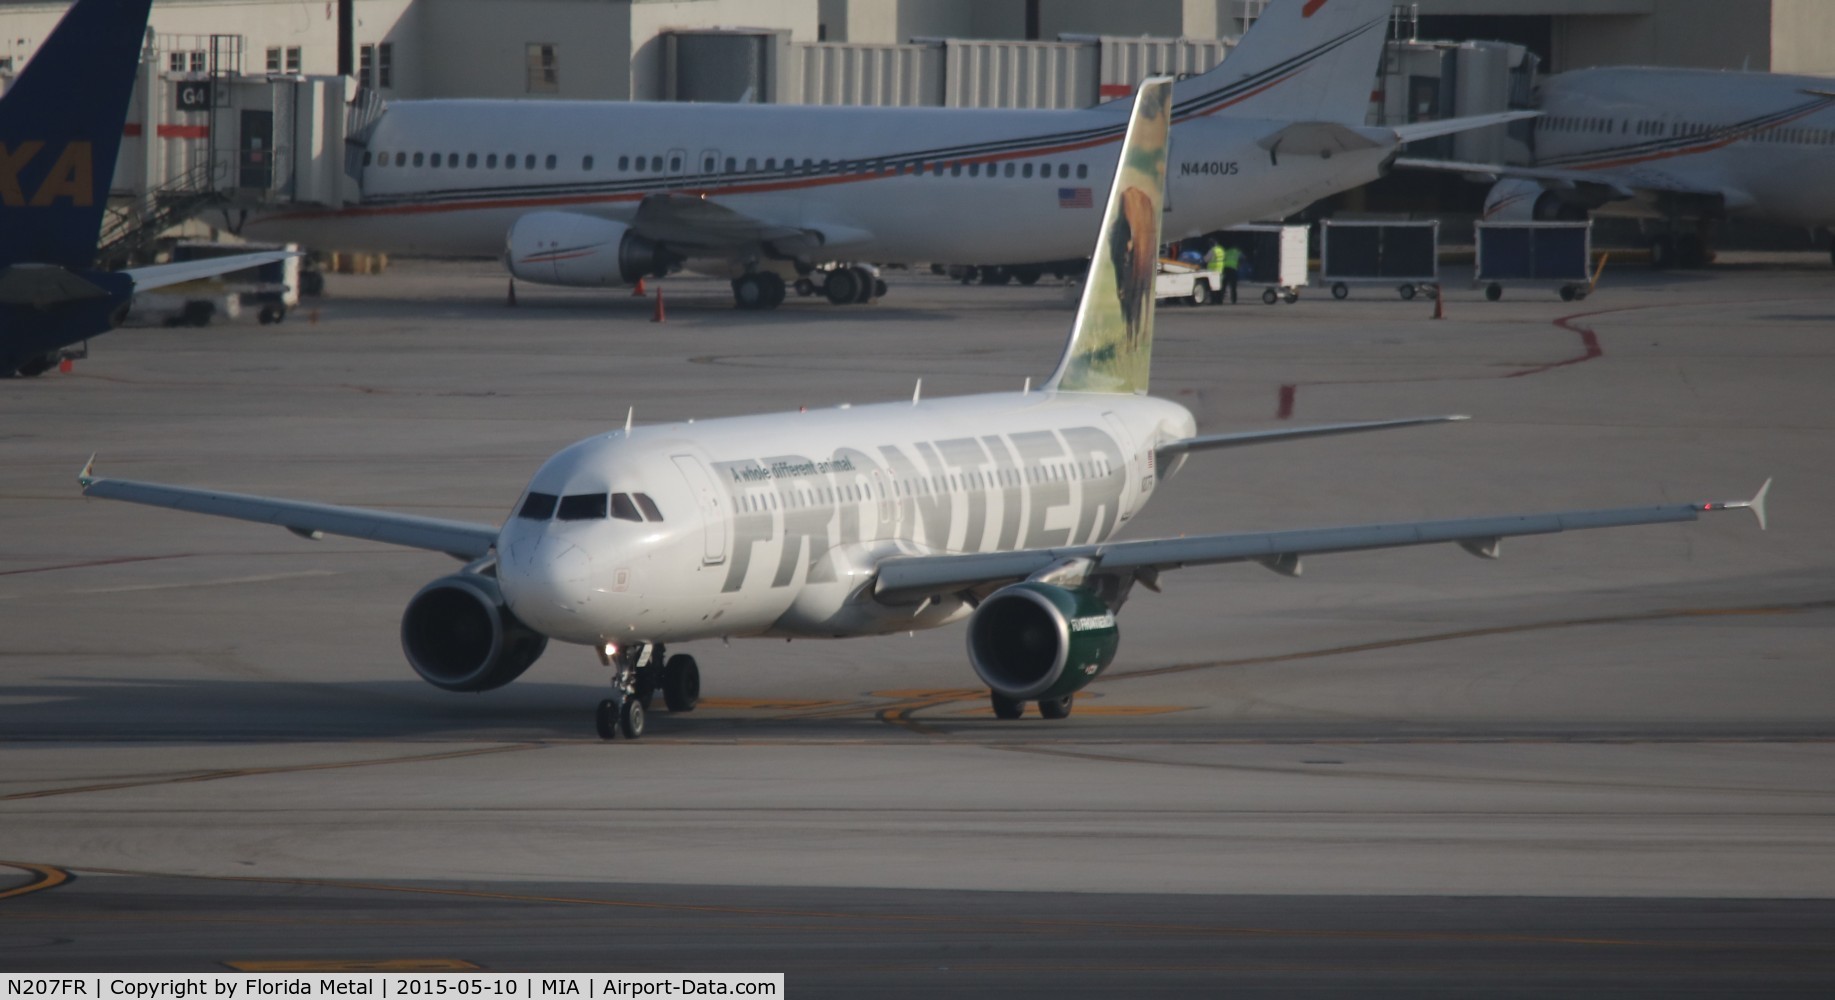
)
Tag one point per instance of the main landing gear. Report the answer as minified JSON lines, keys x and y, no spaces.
{"x":1013,"y":708}
{"x":638,"y":670}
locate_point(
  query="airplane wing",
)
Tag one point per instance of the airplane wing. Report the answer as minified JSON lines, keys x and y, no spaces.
{"x":1449,"y":126}
{"x":905,"y":579}
{"x":703,"y":227}
{"x":1205,"y":442}
{"x":1617,"y":185}
{"x":460,"y":539}
{"x":160,"y":275}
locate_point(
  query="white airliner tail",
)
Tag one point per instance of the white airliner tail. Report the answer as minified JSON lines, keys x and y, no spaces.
{"x":1111,"y":342}
{"x":1302,"y":60}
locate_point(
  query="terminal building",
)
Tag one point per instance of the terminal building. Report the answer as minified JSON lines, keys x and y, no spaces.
{"x":242,"y":99}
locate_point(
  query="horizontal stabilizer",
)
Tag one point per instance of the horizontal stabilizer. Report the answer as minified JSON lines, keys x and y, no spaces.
{"x":1205,"y":442}
{"x":41,"y":286}
{"x":1451,"y":126}
{"x":162,"y":275}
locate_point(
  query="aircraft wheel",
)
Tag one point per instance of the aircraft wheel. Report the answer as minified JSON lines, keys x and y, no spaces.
{"x":1493,"y":292}
{"x":1340,"y":290}
{"x":879,"y":288}
{"x":773,"y":287}
{"x":1056,"y":708}
{"x":605,"y":720}
{"x":1270,"y":296}
{"x":842,"y":286}
{"x":864,"y":280}
{"x":804,"y":288}
{"x":631,"y":718}
{"x":681,"y":683}
{"x":1406,"y":292}
{"x":995,"y":276}
{"x":1031,"y":275}
{"x":1007,"y":708}
{"x":749,"y":292}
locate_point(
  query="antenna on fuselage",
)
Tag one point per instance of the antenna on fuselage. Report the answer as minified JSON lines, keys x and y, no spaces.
{"x":628,"y":414}
{"x":917,"y":393}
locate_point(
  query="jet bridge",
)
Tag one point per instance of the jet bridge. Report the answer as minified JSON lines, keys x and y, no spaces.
{"x":215,"y":137}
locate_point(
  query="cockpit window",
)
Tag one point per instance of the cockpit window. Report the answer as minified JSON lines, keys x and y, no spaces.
{"x":538,"y":507}
{"x":623,"y":509}
{"x":648,"y":506}
{"x":582,"y":507}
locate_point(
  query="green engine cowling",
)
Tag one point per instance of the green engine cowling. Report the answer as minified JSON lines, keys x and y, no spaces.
{"x":1035,"y":641}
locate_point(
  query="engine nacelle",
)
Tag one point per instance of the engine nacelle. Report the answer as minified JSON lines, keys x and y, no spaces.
{"x":1035,"y":641}
{"x":459,"y":636}
{"x":567,"y":248}
{"x":1519,"y":199}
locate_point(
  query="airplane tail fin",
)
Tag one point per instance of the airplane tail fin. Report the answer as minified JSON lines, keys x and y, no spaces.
{"x":60,"y":128}
{"x":1111,"y":342}
{"x":1302,"y":60}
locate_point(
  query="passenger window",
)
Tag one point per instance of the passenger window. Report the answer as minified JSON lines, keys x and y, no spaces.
{"x":1063,"y":171}
{"x":420,"y":159}
{"x":707,"y":164}
{"x":648,"y":506}
{"x":770,"y":163}
{"x":538,"y":506}
{"x":656,"y":164}
{"x":490,"y":161}
{"x":732,"y":164}
{"x":955,"y":170}
{"x":582,"y":507}
{"x":401,"y":159}
{"x":1083,"y":171}
{"x":471,"y":160}
{"x":624,"y":163}
{"x":551,"y":161}
{"x":528,"y":162}
{"x":751,"y":163}
{"x":639,"y":165}
{"x":509,"y":161}
{"x":586,"y":163}
{"x":675,"y":164}
{"x":1025,"y":170}
{"x":434,"y":160}
{"x":623,"y":509}
{"x":1009,"y":170}
{"x":367,"y":155}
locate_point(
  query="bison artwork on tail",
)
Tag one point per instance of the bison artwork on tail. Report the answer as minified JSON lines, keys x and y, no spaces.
{"x":1111,"y":342}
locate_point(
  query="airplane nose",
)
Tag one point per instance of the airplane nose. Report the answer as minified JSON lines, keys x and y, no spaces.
{"x":546,"y":581}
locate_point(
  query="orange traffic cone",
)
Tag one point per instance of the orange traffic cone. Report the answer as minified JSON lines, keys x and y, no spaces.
{"x":66,"y":366}
{"x":638,"y":292}
{"x":659,"y":316}
{"x":1439,"y":302}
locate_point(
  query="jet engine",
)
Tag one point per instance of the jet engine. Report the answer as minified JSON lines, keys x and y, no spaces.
{"x":1035,"y":641}
{"x":1518,"y":199}
{"x":567,"y":248}
{"x":459,"y":636}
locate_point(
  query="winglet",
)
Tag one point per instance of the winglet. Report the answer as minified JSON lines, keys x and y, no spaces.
{"x":1756,"y":504}
{"x":87,"y":476}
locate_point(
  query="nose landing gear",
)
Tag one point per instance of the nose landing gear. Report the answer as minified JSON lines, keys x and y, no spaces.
{"x":638,"y":670}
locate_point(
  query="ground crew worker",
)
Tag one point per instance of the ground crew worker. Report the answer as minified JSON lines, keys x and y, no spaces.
{"x":1232,"y":265}
{"x":1213,"y":262}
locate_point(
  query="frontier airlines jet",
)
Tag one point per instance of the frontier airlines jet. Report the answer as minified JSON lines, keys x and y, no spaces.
{"x":997,"y":509}
{"x":603,"y":193}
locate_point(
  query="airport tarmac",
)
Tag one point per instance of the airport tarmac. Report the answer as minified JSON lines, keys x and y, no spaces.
{"x":1604,"y":762}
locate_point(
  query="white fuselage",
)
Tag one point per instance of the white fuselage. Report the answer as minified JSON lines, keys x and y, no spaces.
{"x":881,"y":184}
{"x":1764,"y":141}
{"x":773,"y":525}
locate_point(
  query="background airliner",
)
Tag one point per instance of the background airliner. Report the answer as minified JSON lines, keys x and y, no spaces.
{"x":596,"y":193}
{"x":1689,"y":147}
{"x":995,"y":508}
{"x":60,"y":128}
